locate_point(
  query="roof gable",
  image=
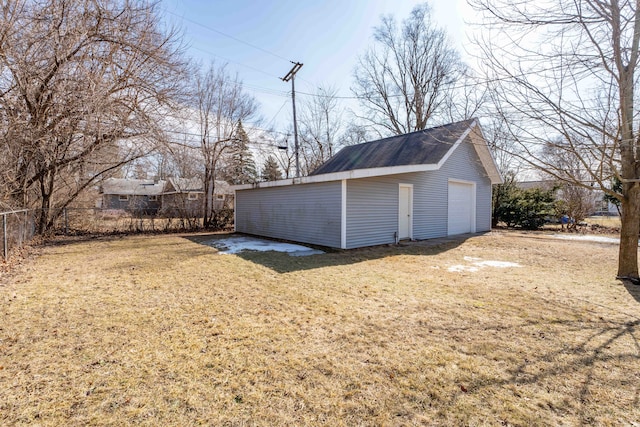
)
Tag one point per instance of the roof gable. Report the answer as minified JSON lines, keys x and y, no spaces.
{"x":184,"y":185}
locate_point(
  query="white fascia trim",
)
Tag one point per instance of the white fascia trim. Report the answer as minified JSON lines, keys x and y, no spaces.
{"x":343,"y":216}
{"x":488,"y":162}
{"x":339,"y":176}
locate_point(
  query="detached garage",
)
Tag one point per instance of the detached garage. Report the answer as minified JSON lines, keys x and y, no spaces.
{"x":422,"y":185}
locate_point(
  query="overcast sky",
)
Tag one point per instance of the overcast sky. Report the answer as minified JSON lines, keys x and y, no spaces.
{"x":258,"y":38}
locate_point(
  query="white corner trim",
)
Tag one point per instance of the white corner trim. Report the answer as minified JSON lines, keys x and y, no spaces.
{"x":343,"y":216}
{"x":235,"y":211}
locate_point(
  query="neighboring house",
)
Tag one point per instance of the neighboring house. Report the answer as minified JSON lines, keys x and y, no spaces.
{"x":185,"y":196}
{"x":421,"y":185}
{"x":176,"y":196}
{"x":136,"y":195}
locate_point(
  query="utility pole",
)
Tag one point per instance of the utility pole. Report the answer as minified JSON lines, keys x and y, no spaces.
{"x":291,"y":76}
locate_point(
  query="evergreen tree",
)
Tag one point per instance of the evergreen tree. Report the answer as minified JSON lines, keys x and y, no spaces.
{"x":241,"y":169}
{"x":616,"y":186}
{"x":270,"y":170}
{"x":524,"y":208}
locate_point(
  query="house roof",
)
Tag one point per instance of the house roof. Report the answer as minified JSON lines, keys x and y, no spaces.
{"x":544,"y":184}
{"x":149,"y":187}
{"x":184,"y":185}
{"x":419,"y":151}
{"x":427,"y":146}
{"x":132,"y":187}
{"x":191,"y":185}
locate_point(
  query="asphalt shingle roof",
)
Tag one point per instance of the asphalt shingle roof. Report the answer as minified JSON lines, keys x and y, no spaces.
{"x":427,"y":146}
{"x":138,"y":187}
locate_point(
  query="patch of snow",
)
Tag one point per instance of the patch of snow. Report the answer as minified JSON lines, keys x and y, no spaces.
{"x":236,"y":244}
{"x":477,"y":264}
{"x":498,"y":264}
{"x":587,"y":238}
{"x":462,"y":268}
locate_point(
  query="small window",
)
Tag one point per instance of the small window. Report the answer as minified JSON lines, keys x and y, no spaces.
{"x":153,"y":198}
{"x":219,"y":196}
{"x":192,"y":196}
{"x":123,"y":197}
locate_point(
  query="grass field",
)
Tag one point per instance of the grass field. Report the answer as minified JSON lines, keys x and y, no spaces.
{"x":605,"y":221}
{"x":166,"y":331}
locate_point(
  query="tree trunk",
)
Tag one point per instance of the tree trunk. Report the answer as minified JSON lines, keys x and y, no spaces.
{"x":205,"y":203}
{"x":628,"y":253}
{"x":45,"y":202}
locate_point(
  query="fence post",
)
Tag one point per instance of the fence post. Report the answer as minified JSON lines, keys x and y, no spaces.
{"x":66,"y":222}
{"x":25,"y":228}
{"x":5,"y":242}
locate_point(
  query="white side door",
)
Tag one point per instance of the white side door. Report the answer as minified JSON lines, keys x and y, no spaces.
{"x":405,"y":211}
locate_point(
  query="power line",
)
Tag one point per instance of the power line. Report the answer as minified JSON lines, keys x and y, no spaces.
{"x":238,"y":40}
{"x":228,"y":36}
{"x":272,"y":121}
{"x":236,"y":62}
{"x":248,"y":126}
{"x":280,"y":93}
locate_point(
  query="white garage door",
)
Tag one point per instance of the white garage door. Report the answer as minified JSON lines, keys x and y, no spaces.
{"x":461,"y":208}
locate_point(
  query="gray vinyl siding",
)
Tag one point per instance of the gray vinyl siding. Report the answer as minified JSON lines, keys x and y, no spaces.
{"x":372,"y":203}
{"x":308,"y":213}
{"x":372,"y":209}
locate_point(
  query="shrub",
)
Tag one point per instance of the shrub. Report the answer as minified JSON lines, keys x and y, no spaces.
{"x":222,"y":219}
{"x":523,"y":208}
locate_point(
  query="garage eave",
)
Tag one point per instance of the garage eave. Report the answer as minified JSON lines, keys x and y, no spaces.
{"x":339,"y":176}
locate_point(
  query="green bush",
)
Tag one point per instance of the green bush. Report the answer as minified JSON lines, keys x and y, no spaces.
{"x":520,"y":208}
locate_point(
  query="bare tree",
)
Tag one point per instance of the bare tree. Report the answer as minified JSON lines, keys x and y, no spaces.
{"x":286,"y":154}
{"x":406,"y":78}
{"x":565,"y":75}
{"x":222,"y":105}
{"x":354,"y":134}
{"x":81,"y":82}
{"x":320,"y":128}
{"x":467,"y":98}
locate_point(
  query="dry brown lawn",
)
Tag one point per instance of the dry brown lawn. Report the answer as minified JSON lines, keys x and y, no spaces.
{"x":605,"y":221}
{"x":166,"y":331}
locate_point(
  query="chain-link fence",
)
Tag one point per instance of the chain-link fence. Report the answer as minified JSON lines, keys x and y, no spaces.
{"x":18,"y":227}
{"x":75,"y":221}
